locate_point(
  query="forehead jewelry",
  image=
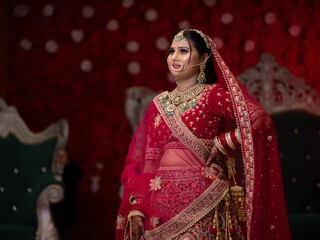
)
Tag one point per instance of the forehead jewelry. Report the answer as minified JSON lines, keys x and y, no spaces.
{"x":179,"y":36}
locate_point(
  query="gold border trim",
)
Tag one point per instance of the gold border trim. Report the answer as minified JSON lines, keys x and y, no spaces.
{"x":198,"y":209}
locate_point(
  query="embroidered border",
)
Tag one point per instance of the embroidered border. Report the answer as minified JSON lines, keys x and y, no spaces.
{"x":198,"y":209}
{"x":243,"y":121}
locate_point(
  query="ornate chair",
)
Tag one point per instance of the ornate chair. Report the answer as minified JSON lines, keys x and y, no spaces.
{"x":295,"y":109}
{"x":31,"y":167}
{"x":137,"y":101}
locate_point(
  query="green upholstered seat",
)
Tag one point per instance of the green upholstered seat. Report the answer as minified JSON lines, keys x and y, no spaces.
{"x":299,"y":144}
{"x":30,"y":176}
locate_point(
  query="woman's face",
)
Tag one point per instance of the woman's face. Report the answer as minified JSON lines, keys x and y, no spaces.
{"x":183,"y":60}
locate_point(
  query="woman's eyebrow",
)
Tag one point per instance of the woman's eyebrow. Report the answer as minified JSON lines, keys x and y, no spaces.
{"x":179,"y":48}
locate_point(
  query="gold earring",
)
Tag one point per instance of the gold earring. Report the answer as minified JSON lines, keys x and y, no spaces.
{"x":202,"y":75}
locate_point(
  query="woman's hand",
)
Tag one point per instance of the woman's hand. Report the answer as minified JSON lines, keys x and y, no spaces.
{"x":137,"y":226}
{"x":213,"y":155}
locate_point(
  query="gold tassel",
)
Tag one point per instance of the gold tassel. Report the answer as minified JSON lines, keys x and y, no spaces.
{"x":231,"y":165}
{"x":228,"y":218}
{"x":215,"y":230}
{"x":216,"y":223}
{"x":237,"y":192}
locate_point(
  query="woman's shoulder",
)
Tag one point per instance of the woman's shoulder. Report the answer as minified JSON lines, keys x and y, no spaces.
{"x":216,"y":88}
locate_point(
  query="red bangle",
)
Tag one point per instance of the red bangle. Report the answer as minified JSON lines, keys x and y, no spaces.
{"x":229,"y":141}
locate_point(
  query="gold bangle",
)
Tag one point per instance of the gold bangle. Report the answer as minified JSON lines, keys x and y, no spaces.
{"x":229,"y":141}
{"x":134,"y":213}
{"x":219,"y":145}
{"x":131,"y":214}
{"x":238,"y":135}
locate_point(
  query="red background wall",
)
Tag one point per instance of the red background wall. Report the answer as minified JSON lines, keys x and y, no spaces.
{"x":75,"y":59}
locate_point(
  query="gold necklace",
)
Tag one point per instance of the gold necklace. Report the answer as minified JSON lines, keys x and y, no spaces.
{"x":183,"y":101}
{"x":177,"y":97}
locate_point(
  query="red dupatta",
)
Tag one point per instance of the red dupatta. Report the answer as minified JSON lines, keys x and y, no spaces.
{"x":266,"y":214}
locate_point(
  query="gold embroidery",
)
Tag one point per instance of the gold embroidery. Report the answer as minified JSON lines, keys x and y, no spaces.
{"x":154,"y":221}
{"x":121,"y":222}
{"x":132,"y":201}
{"x":210,"y":172}
{"x":157,"y":121}
{"x":155,"y":184}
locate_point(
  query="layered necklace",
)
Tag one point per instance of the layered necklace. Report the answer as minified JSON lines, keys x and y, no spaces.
{"x":182,"y":101}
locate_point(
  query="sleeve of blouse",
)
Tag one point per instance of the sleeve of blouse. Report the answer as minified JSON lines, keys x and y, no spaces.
{"x":220,"y":103}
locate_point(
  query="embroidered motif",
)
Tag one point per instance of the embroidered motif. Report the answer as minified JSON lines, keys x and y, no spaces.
{"x":210,"y":172}
{"x":121,"y":222}
{"x":137,"y":153}
{"x":188,"y":236}
{"x":152,"y":153}
{"x":155,"y":184}
{"x":154,"y":221}
{"x":157,"y":121}
{"x":132,"y":201}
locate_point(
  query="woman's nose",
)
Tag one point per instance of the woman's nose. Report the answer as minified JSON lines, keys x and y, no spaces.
{"x":174,"y":56}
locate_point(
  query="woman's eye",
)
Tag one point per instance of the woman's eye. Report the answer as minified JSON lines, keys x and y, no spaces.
{"x":183,"y":51}
{"x":170,"y":51}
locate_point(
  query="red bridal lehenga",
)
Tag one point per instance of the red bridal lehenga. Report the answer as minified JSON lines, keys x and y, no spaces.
{"x":165,"y":175}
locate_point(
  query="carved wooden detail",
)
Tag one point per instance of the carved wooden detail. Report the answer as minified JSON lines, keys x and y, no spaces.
{"x":277,"y":89}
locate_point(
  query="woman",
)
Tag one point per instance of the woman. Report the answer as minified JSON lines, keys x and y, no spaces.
{"x":193,"y":147}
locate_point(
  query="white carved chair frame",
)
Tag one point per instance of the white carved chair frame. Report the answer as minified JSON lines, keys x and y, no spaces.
{"x":12,"y":123}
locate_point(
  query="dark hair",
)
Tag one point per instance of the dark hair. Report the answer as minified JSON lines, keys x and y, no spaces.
{"x":197,"y":41}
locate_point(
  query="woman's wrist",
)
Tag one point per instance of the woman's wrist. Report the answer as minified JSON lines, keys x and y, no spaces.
{"x":219,"y":146}
{"x":228,"y":141}
{"x":134,"y":213}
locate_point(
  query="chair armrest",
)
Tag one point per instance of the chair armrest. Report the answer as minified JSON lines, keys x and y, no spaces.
{"x":46,"y":227}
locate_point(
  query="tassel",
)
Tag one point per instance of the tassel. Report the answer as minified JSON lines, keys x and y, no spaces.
{"x":231,"y":165}
{"x":215,"y":230}
{"x":237,"y":194}
{"x":228,"y":218}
